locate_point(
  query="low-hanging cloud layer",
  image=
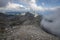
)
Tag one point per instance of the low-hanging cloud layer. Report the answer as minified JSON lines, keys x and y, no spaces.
{"x":54,"y":26}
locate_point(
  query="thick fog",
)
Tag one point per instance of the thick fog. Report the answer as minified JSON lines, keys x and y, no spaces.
{"x":51,"y":22}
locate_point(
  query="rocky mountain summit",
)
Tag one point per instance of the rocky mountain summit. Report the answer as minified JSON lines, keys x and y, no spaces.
{"x":23,"y":27}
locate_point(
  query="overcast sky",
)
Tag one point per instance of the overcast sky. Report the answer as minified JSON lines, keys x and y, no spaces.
{"x":27,"y":5}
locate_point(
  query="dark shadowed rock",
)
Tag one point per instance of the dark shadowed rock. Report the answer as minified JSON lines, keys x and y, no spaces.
{"x":29,"y":15}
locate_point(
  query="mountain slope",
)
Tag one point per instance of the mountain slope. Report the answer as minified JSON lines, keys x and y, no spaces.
{"x":23,"y":27}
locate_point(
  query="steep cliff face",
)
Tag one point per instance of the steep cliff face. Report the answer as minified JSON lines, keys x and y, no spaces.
{"x":23,"y":27}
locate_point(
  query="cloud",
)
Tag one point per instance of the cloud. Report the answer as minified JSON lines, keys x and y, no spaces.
{"x":53,"y":8}
{"x":43,"y":4}
{"x":10,"y":5}
{"x":52,"y":27}
{"x":31,"y":4}
{"x":3,"y":3}
{"x":14,"y":6}
{"x":34,"y":7}
{"x":25,"y":5}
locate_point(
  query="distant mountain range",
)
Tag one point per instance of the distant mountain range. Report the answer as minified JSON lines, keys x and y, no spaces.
{"x":13,"y":13}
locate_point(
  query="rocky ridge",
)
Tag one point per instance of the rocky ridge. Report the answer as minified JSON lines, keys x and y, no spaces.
{"x":23,"y":27}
